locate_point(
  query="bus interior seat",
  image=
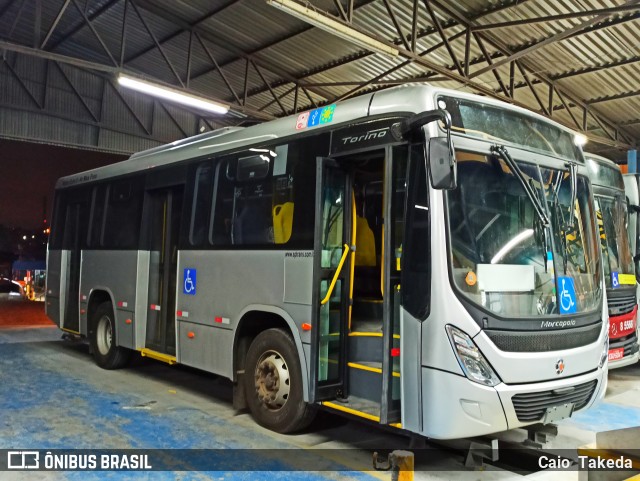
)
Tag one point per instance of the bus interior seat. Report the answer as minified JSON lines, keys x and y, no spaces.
{"x":253,"y":223}
{"x":368,"y":242}
{"x":365,"y":243}
{"x":282,"y":222}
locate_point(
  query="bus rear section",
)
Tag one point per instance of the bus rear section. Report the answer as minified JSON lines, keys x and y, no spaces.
{"x":617,"y":260}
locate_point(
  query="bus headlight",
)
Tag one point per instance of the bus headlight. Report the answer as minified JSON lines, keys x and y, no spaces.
{"x":471,"y":360}
{"x":605,"y":352}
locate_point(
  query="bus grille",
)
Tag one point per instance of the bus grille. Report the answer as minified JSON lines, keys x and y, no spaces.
{"x":629,"y":343}
{"x":544,"y":341}
{"x":621,"y":305}
{"x":532,"y":406}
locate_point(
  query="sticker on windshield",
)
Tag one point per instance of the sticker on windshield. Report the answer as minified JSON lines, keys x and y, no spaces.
{"x":567,"y":295}
{"x":627,"y":279}
{"x":615,"y":282}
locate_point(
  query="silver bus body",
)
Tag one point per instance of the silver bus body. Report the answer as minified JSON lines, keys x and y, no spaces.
{"x":237,"y":288}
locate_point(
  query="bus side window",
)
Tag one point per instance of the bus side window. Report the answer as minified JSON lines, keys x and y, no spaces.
{"x":200,"y":214}
{"x":122,"y":217}
{"x":266,"y":196}
{"x":222,"y":207}
{"x":252,"y":224}
{"x":96,"y":218}
{"x":59,"y":210}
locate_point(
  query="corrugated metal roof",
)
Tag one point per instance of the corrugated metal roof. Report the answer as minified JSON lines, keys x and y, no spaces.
{"x":286,"y":48}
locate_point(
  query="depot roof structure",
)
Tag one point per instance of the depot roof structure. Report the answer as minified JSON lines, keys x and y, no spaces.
{"x":576,"y":62}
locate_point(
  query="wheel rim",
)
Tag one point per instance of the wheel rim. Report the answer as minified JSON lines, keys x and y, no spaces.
{"x":104,"y":335}
{"x":272,"y":380}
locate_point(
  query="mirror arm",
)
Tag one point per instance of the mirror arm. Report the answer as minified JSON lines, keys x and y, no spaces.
{"x":399,"y":130}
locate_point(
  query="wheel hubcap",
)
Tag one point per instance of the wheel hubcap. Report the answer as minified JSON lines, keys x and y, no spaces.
{"x":104,"y":334}
{"x":272,"y":380}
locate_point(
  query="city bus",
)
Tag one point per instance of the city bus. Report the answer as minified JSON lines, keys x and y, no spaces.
{"x":400,"y":257}
{"x":617,"y":261}
{"x":632,"y":192}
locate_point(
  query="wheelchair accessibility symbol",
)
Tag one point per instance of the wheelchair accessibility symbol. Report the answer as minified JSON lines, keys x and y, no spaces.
{"x":567,"y":295}
{"x":615,"y":281}
{"x":189,"y":284}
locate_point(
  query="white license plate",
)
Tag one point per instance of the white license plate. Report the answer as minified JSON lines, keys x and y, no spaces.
{"x":557,"y":413}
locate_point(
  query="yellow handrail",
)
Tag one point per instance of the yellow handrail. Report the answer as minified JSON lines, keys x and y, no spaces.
{"x":335,"y":276}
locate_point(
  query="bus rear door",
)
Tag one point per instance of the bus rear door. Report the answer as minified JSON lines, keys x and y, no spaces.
{"x":163,"y":215}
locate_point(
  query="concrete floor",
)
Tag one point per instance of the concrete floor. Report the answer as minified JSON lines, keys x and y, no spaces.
{"x":55,"y":397}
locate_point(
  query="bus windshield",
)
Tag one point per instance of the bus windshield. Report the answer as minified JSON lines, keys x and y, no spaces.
{"x":612,"y":222}
{"x":502,"y":255}
{"x":489,"y":122}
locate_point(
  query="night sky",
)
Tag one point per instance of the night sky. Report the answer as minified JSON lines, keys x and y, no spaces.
{"x":28,"y":173}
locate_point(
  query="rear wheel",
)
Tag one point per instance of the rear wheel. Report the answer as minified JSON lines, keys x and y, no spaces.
{"x":273,"y":383}
{"x":103,"y":339}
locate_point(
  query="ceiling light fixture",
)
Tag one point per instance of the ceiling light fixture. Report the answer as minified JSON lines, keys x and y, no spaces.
{"x":334,"y":27}
{"x":580,"y":139}
{"x":172,"y":95}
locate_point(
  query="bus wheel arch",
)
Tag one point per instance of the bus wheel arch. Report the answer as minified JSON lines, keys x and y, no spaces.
{"x":268,"y":328}
{"x":101,"y":327}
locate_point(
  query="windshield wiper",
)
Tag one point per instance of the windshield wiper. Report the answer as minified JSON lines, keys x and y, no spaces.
{"x":560,"y":227}
{"x":501,"y":152}
{"x":573,"y":168}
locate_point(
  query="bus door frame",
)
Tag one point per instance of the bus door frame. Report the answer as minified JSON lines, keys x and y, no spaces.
{"x":336,"y":388}
{"x":165,"y":187}
{"x":71,"y":259}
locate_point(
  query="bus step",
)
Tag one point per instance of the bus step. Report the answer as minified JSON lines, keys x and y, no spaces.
{"x":367,"y":308}
{"x":367,"y":346}
{"x":357,"y":406}
{"x":364,"y":324}
{"x":365,"y":380}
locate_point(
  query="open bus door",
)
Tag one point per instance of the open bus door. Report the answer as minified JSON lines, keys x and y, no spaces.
{"x":355,"y":328}
{"x":331,"y":284}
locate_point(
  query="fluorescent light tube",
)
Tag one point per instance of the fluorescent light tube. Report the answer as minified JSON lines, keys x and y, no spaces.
{"x":172,"y":95}
{"x":334,"y":27}
{"x":525,"y":234}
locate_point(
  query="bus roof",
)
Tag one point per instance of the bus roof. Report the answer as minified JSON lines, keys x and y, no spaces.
{"x":402,"y":100}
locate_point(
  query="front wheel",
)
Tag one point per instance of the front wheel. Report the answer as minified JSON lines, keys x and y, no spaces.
{"x":103,"y":339}
{"x":273,"y":383}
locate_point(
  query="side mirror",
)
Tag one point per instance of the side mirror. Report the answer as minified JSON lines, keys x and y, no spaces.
{"x":442,"y":164}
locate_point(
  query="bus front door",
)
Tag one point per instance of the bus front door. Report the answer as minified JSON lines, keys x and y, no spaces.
{"x":164,"y":214}
{"x":355,"y":340}
{"x":332,"y":269}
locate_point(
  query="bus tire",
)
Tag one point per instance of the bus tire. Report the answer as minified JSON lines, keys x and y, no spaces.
{"x":103,"y":339}
{"x":273,"y":383}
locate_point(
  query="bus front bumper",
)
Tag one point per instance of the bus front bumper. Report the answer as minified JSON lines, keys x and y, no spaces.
{"x":625,"y":361}
{"x":454,"y":407}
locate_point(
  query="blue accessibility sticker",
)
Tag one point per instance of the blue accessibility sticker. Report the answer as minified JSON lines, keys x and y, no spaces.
{"x":189,"y":282}
{"x":567,"y":290}
{"x":615,"y":281}
{"x":314,"y":117}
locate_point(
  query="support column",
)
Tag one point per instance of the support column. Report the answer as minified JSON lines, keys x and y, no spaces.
{"x":632,"y":161}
